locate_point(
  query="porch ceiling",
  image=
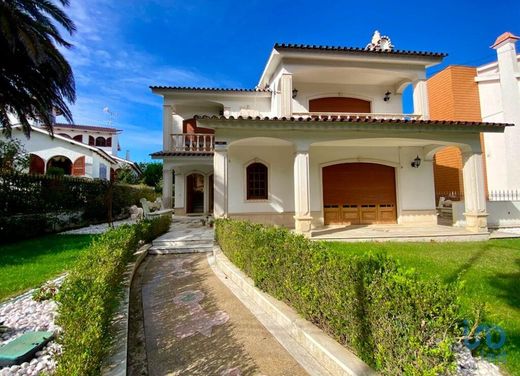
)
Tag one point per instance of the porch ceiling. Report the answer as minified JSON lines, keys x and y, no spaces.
{"x":379,"y":142}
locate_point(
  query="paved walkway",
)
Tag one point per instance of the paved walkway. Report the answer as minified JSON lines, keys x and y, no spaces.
{"x":194,"y":325}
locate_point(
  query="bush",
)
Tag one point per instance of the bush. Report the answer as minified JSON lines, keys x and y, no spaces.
{"x":396,"y":322}
{"x":90,"y":295}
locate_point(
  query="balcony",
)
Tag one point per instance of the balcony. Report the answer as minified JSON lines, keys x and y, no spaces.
{"x":193,"y":142}
{"x":360,"y":115}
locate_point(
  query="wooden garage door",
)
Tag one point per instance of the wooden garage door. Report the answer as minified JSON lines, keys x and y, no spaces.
{"x":339,"y":104}
{"x":359,"y":193}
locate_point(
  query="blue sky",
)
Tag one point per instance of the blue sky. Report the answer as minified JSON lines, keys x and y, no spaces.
{"x":122,"y":47}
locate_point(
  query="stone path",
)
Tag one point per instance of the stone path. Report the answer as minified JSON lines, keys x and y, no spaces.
{"x":194,"y":325}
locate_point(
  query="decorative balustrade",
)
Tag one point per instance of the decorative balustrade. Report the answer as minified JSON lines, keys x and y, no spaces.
{"x":193,"y":142}
{"x":504,"y":195}
{"x":362,"y":115}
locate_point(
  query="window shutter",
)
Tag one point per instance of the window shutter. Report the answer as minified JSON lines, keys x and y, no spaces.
{"x":91,"y":141}
{"x":78,"y":169}
{"x":109,"y":141}
{"x":37,"y":165}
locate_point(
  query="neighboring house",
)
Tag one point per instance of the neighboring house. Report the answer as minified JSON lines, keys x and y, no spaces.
{"x":322,"y":140}
{"x":79,"y":150}
{"x":488,"y":93}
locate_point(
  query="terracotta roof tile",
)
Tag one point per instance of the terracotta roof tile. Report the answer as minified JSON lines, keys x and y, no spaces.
{"x":93,"y":128}
{"x":286,"y":46}
{"x":352,"y":119}
{"x":181,"y":154}
{"x":505,"y":36}
{"x":217,"y":89}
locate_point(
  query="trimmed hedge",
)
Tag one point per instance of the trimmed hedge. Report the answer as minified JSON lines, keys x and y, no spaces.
{"x":90,"y":295}
{"x":394,"y":321}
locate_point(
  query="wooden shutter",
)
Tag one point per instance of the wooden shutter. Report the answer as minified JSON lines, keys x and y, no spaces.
{"x":78,"y":138}
{"x":37,"y":165}
{"x":78,"y":169}
{"x":91,"y":141}
{"x":109,"y":141}
{"x":339,"y":104}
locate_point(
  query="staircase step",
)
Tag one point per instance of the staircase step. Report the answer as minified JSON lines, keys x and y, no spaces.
{"x":182,"y":243}
{"x":166,"y":251}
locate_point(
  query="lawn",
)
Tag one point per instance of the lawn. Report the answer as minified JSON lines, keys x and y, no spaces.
{"x":29,"y":263}
{"x":491,"y":271}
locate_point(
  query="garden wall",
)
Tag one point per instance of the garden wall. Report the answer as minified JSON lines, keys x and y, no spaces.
{"x":32,"y":205}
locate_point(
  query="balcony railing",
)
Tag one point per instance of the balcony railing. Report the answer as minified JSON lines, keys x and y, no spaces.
{"x":193,"y":142}
{"x":360,"y":115}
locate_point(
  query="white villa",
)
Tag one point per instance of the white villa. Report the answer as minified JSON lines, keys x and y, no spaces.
{"x":79,"y":150}
{"x":322,"y":140}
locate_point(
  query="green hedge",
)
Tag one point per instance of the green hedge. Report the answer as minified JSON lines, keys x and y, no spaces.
{"x":91,"y":294}
{"x":396,"y":322}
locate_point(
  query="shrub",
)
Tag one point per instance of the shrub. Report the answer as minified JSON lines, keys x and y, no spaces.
{"x":90,"y":295}
{"x":394,"y":321}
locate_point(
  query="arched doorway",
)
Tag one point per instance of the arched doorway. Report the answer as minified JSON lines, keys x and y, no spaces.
{"x":195,"y":193}
{"x":359,"y":193}
{"x":339,"y":104}
{"x":57,"y":163}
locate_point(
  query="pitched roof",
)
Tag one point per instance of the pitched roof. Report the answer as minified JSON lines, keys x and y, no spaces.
{"x":211,"y":89}
{"x":290,"y":46}
{"x":352,"y":119}
{"x":505,"y":36}
{"x":93,"y":128}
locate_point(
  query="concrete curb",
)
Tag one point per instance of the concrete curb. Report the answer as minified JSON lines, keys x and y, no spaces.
{"x":116,"y":362}
{"x":333,"y":357}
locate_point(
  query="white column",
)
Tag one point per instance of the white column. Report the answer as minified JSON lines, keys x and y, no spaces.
{"x":206,"y":194}
{"x":180,"y":184}
{"x":167,"y":127}
{"x":420,"y":99}
{"x":220,"y":180}
{"x":167,"y":187}
{"x":474,"y":192}
{"x":302,"y":201}
{"x":286,"y":89}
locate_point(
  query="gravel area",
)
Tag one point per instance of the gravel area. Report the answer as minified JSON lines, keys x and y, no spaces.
{"x":23,"y":314}
{"x":98,"y":229}
{"x":467,"y":365}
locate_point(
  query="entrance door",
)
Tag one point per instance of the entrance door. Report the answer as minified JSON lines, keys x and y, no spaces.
{"x":359,"y":193}
{"x":195,"y":193}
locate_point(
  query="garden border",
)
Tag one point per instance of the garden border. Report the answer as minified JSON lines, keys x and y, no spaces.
{"x":336,"y":359}
{"x":116,"y":363}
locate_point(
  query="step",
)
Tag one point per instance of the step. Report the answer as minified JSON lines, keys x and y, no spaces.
{"x":182,"y":243}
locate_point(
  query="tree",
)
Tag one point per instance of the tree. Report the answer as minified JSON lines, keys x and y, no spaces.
{"x":35,"y":78}
{"x":152,"y":173}
{"x":13,"y":157}
{"x":127,"y":175}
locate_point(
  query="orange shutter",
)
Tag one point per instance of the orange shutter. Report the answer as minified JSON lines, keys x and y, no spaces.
{"x":79,"y":167}
{"x":37,"y":165}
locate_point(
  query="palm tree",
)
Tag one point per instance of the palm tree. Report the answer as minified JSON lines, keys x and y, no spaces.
{"x":35,"y":79}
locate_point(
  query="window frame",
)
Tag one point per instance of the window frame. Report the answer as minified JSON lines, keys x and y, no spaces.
{"x":248,"y":189}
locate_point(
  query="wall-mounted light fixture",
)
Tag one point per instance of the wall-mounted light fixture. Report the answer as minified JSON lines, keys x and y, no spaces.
{"x":386,"y":98}
{"x":294,"y":93}
{"x":416,"y":162}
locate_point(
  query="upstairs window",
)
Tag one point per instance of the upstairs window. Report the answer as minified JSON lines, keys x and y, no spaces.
{"x":100,"y":141}
{"x":257,"y":181}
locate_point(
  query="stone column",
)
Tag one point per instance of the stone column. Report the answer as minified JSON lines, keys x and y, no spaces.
{"x":474,"y":192}
{"x":167,"y":127}
{"x":286,"y":89}
{"x":220,"y":180}
{"x":420,"y":99}
{"x":167,"y":187}
{"x":302,"y":200}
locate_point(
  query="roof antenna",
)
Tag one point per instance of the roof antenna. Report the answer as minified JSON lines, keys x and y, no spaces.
{"x":111,"y":115}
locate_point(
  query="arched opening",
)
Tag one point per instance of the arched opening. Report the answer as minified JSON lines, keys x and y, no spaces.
{"x":339,"y":104}
{"x":100,"y":141}
{"x":195,"y":193}
{"x":257,"y":181}
{"x":359,"y":193}
{"x":91,"y":141}
{"x":36,"y":165}
{"x":64,"y":135}
{"x":59,"y":165}
{"x":78,"y":138}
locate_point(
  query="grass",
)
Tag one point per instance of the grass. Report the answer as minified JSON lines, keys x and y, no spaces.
{"x":29,"y":263}
{"x":490,"y":271}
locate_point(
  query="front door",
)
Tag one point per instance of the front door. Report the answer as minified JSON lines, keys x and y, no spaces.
{"x":195,"y":193}
{"x":359,"y":193}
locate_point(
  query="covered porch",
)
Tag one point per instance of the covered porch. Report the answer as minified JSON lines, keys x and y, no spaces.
{"x":357,"y":176}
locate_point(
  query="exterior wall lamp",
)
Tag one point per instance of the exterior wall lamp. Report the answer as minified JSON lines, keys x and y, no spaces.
{"x":386,"y":98}
{"x":416,"y":162}
{"x":294,"y":93}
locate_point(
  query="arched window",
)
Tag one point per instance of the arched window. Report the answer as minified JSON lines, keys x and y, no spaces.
{"x":257,"y":181}
{"x":100,"y":141}
{"x":78,"y":138}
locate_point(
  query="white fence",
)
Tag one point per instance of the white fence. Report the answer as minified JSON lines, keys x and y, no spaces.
{"x":510,"y":195}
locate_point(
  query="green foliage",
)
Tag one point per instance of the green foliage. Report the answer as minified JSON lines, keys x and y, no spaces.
{"x":27,"y":201}
{"x":127,"y":175}
{"x":90,"y":295}
{"x":152,"y":173}
{"x":394,"y":321}
{"x":13,"y":157}
{"x":45,"y":292}
{"x":55,"y":171}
